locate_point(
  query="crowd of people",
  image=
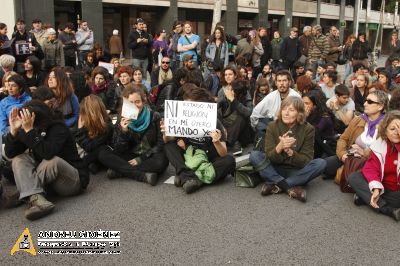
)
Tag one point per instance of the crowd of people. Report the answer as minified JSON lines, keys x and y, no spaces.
{"x":60,"y":110}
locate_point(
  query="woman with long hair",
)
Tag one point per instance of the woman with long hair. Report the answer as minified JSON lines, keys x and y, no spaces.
{"x":360,"y":92}
{"x":258,"y":51}
{"x":67,"y":101}
{"x":104,"y":87}
{"x":348,"y":68}
{"x":3,"y":40}
{"x":94,"y":133}
{"x":217,"y":49}
{"x":318,"y":115}
{"x":33,"y":75}
{"x":139,"y":142}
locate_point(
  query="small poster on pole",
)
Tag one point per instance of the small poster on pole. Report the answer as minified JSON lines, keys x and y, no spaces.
{"x":22,"y":48}
{"x":189,"y":119}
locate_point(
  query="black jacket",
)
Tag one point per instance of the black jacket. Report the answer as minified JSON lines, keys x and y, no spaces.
{"x":139,"y":50}
{"x":124,"y":142}
{"x":290,"y":49}
{"x":266,"y":44}
{"x":16,"y":37}
{"x":360,"y":50}
{"x":56,"y":140}
{"x":68,"y":44}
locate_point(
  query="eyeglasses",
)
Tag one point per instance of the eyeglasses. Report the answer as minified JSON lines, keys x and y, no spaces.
{"x":164,"y":62}
{"x":371,"y":101}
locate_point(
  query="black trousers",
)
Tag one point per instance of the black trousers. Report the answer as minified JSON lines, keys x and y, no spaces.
{"x":70,"y":61}
{"x":387,"y":201}
{"x":240,"y":131}
{"x":332,"y":164}
{"x":222,"y":165}
{"x":157,"y":163}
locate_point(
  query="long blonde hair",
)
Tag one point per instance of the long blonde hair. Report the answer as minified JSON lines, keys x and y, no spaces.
{"x":94,"y":115}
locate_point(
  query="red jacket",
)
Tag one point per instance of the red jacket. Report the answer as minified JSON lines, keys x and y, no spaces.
{"x":374,"y":168}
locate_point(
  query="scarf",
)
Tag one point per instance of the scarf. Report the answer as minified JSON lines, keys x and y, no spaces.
{"x":278,"y":40}
{"x":98,"y":89}
{"x":142,"y":122}
{"x":372,"y":124}
{"x":164,"y":76}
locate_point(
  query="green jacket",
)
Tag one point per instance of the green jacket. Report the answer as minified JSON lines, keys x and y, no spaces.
{"x":303,"y":151}
{"x":197,"y":160}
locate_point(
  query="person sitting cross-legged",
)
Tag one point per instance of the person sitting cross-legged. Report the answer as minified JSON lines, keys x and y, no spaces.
{"x":287,"y":163}
{"x":53,"y":161}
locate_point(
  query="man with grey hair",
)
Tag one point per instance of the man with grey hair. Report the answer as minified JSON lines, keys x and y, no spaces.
{"x":7,"y":63}
{"x":305,"y":41}
{"x":318,"y":50}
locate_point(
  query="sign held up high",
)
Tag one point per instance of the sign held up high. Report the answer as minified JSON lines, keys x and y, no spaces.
{"x":189,"y":119}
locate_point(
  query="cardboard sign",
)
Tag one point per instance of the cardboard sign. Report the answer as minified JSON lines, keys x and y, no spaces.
{"x":129,"y":110}
{"x":189,"y":119}
{"x":108,"y":66}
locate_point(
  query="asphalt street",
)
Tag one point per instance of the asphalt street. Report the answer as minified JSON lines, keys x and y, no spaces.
{"x":218,"y":225}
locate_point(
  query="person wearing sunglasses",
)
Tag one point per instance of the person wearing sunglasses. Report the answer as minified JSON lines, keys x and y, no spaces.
{"x":361,"y":132}
{"x":161,"y":74}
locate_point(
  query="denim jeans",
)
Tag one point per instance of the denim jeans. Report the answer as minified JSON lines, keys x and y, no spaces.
{"x":348,"y":69}
{"x":272,"y":174}
{"x":142,"y":64}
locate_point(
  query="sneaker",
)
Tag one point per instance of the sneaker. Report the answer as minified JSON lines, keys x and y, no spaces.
{"x":358,"y":201}
{"x":38,"y":207}
{"x":396,"y":214}
{"x":192,"y":185}
{"x":297,"y":193}
{"x":268,"y":189}
{"x":177,"y":181}
{"x":151,"y":178}
{"x":112,"y":174}
{"x":237,"y":148}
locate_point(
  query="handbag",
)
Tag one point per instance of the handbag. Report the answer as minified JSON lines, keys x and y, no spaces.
{"x":341,"y":59}
{"x":246,"y":176}
{"x":351,"y":165}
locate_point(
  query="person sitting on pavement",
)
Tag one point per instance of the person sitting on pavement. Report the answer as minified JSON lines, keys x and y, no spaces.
{"x":139,"y":142}
{"x":33,"y":75}
{"x":214,"y":145}
{"x":378,"y":183}
{"x":137,"y":78}
{"x":266,"y":110}
{"x":104,"y":87}
{"x":161,"y":74}
{"x":361,"y":132}
{"x":286,"y":163}
{"x":322,"y":119}
{"x":342,"y":106}
{"x":359,"y":92}
{"x":235,"y":107}
{"x":329,"y":79}
{"x":68,"y":102}
{"x":53,"y":160}
{"x":17,"y":97}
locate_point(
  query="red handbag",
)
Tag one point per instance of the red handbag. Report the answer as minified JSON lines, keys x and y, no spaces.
{"x":351,"y":165}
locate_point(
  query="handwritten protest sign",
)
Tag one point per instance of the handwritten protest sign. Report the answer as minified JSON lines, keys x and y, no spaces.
{"x":189,"y":119}
{"x":108,"y":66}
{"x":129,"y":110}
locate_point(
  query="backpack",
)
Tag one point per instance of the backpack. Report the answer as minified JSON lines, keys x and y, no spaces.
{"x":213,"y":84}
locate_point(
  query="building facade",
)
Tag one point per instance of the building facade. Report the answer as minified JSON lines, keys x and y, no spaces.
{"x":106,"y":15}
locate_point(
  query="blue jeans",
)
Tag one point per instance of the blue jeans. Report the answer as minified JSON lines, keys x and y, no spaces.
{"x":142,"y":64}
{"x":273,"y":174}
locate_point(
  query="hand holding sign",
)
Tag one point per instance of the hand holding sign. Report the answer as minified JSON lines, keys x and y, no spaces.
{"x":189,"y":119}
{"x":129,"y":110}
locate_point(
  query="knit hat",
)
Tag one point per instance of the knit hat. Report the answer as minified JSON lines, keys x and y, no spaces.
{"x":115,"y":32}
{"x":51,"y":31}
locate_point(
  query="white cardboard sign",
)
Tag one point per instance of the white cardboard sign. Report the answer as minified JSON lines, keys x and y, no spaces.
{"x":108,"y":66}
{"x":189,"y":119}
{"x":129,"y":110}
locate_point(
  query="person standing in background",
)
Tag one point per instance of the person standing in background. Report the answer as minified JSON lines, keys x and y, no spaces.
{"x":140,"y":42}
{"x":67,"y":38}
{"x":115,"y":44}
{"x":85,"y":40}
